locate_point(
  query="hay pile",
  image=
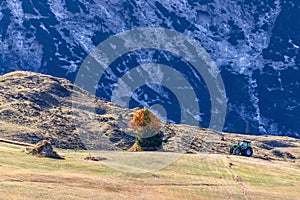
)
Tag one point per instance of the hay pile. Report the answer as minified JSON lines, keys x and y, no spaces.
{"x":93,"y":158}
{"x":135,"y":147}
{"x":43,"y":149}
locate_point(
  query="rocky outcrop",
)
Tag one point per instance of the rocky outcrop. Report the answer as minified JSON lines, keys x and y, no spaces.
{"x":43,"y":149}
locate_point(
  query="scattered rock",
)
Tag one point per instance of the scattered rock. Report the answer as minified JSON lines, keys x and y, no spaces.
{"x":290,"y":156}
{"x":278,"y":153}
{"x":274,"y":143}
{"x":229,"y":164}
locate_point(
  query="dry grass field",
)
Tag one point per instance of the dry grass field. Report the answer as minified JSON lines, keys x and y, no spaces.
{"x":191,"y":176}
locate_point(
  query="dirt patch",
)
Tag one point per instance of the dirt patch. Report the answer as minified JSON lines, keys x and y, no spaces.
{"x":93,"y":158}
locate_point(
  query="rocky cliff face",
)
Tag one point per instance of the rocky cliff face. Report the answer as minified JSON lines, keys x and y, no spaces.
{"x":253,"y":43}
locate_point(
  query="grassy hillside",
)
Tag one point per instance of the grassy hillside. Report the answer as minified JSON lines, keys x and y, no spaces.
{"x":36,"y":106}
{"x":193,"y":162}
{"x":192,"y":176}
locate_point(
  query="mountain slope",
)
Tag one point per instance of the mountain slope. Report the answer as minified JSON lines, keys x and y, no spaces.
{"x":255,"y":45}
{"x":36,"y":106}
{"x":29,"y":111}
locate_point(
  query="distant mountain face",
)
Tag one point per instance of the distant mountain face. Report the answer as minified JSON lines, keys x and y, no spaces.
{"x":255,"y":45}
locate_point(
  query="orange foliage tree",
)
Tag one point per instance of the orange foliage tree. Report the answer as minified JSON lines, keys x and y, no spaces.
{"x":146,"y":125}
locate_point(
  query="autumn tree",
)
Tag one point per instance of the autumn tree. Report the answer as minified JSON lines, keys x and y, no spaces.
{"x":146,"y":126}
